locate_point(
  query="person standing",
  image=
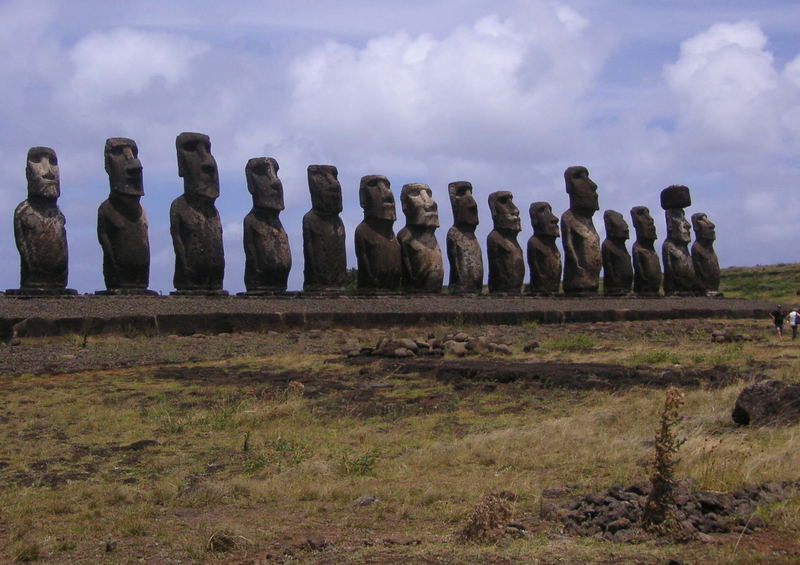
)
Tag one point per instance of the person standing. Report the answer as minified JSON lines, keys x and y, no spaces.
{"x":794,"y":319}
{"x":778,"y":315}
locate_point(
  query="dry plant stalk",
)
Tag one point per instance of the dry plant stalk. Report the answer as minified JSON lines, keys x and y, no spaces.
{"x":661,"y":500}
{"x":486,"y":522}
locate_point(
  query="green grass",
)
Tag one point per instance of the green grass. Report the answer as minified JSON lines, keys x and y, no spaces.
{"x":774,"y":283}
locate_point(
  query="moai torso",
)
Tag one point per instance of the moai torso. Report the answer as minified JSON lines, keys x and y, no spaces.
{"x":422,"y":268}
{"x":377,"y":248}
{"x":582,"y":258}
{"x":463,"y":249}
{"x":324,"y":253}
{"x":544,"y":258}
{"x":704,"y":258}
{"x":39,"y":225}
{"x":121,"y":221}
{"x":617,"y":266}
{"x":646,"y":264}
{"x":268,"y":258}
{"x":506,"y":263}
{"x":679,"y":275}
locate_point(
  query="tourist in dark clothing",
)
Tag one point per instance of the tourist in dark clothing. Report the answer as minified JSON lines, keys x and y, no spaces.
{"x":778,"y":315}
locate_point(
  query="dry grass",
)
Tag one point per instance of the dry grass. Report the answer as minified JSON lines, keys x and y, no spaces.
{"x":164,"y":463}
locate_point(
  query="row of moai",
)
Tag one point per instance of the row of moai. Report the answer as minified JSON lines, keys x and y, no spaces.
{"x":410,"y":261}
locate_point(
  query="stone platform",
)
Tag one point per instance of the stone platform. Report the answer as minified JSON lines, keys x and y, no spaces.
{"x":161,"y":315}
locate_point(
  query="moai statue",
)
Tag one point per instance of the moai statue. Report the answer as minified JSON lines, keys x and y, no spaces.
{"x":704,"y":258}
{"x":377,"y":248}
{"x":679,"y":275}
{"x":122,"y":223}
{"x":506,"y":264}
{"x":266,"y":245}
{"x":422,"y":269}
{"x":325,"y":268}
{"x":582,"y":259}
{"x":544,"y":258}
{"x":194,"y":222}
{"x":39,"y":229}
{"x":463,"y":249}
{"x":646,"y":265}
{"x":617,"y":266}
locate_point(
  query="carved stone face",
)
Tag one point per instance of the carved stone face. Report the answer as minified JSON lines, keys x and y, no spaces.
{"x":465,"y":209}
{"x":643,"y":223}
{"x":703,"y":227}
{"x":678,"y":229}
{"x":123,"y":166}
{"x":581,"y":189}
{"x":376,"y":198}
{"x":418,"y":205}
{"x":544,"y":222}
{"x":326,"y":192}
{"x":42,"y":173}
{"x":263,"y":183}
{"x":616,"y":226}
{"x":196,"y":165}
{"x":505,"y":214}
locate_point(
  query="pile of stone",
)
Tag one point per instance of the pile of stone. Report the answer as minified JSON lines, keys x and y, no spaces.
{"x":455,"y":344}
{"x":616,"y":514}
{"x":727,"y":336}
{"x":768,"y":402}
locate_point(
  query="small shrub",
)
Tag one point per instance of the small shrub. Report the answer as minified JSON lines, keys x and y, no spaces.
{"x":576,"y":342}
{"x":362,"y":465}
{"x":26,"y":552}
{"x":224,"y":541}
{"x":487,"y":520}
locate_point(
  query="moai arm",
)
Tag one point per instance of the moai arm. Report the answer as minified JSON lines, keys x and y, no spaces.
{"x":364,"y":264}
{"x":569,"y":246}
{"x":176,"y":231}
{"x":102,"y":237}
{"x":20,"y":234}
{"x":456,"y":256}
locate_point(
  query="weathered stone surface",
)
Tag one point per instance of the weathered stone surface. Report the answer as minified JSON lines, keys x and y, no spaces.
{"x":768,"y":402}
{"x":195,"y":225}
{"x":506,"y":264}
{"x":544,"y":258}
{"x":676,"y":196}
{"x":377,"y":248}
{"x":268,"y":258}
{"x":422,"y":269}
{"x":39,"y":228}
{"x":463,"y":249}
{"x":679,"y":275}
{"x":617,"y":266}
{"x":646,"y":264}
{"x":121,"y":221}
{"x":582,"y":259}
{"x":704,"y":258}
{"x":324,"y":252}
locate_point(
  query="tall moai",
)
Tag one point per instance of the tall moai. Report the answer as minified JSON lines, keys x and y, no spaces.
{"x":324,"y":252}
{"x":422,"y":268}
{"x":544,"y":258}
{"x":122,"y":223}
{"x":704,"y":258}
{"x":582,"y":259}
{"x":679,"y":276}
{"x":463,"y":248}
{"x":39,"y":229}
{"x":194,"y":221}
{"x":268,"y":258}
{"x":377,"y":248}
{"x":506,"y":264}
{"x":617,"y":266}
{"x":646,"y":264}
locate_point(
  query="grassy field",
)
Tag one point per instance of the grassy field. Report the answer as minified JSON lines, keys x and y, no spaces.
{"x":262,"y":459}
{"x":776,"y":283}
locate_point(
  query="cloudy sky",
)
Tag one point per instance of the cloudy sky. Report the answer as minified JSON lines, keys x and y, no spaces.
{"x":505,"y":94}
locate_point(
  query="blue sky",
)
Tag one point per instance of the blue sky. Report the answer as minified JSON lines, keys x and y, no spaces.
{"x":504,"y":94}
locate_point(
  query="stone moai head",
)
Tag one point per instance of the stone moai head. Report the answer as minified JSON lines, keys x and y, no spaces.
{"x":263,"y":183}
{"x":505,"y":214}
{"x":643,"y":223}
{"x":376,"y":198}
{"x":326,"y":192}
{"x":41,"y":171}
{"x":616,"y":226}
{"x":465,"y":209}
{"x":545,"y":223}
{"x":703,"y":227}
{"x":418,"y":204}
{"x":678,"y":229}
{"x":123,"y":167}
{"x":582,"y":190}
{"x":196,"y":165}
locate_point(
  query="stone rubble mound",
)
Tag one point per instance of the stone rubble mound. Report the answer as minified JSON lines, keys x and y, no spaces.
{"x":454,"y":344}
{"x":727,"y":336}
{"x":770,"y":401}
